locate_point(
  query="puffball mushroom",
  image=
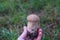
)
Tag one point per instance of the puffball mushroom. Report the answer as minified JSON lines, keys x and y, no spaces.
{"x":32,"y":25}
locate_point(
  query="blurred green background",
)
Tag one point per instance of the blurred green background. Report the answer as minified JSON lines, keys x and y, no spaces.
{"x":13,"y":15}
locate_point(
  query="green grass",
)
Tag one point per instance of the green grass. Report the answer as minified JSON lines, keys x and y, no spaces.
{"x":13,"y":15}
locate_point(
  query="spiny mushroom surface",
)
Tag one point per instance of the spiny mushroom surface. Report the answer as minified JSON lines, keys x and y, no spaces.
{"x":32,"y":22}
{"x":33,"y":18}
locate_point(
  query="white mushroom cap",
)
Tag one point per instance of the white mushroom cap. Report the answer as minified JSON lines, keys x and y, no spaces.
{"x":32,"y":18}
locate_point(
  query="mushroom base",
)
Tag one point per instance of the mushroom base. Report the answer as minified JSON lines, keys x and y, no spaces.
{"x":32,"y":35}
